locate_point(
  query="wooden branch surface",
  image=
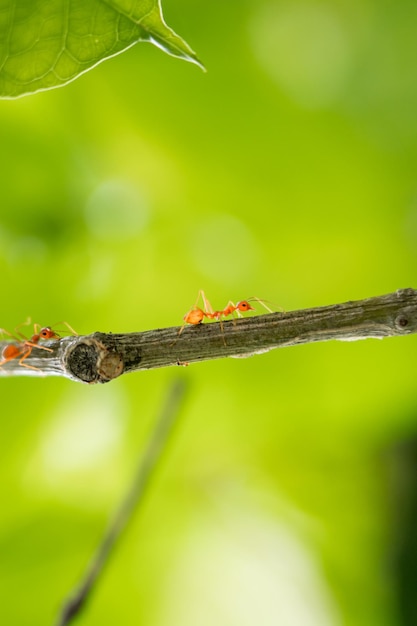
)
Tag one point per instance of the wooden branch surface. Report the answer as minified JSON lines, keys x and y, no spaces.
{"x":101,"y":357}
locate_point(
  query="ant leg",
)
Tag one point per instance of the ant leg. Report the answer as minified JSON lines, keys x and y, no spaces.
{"x":21,"y":335}
{"x":3,"y":331}
{"x":28,"y":351}
{"x":28,"y":321}
{"x":179,"y":333}
{"x":25,"y":356}
{"x":206,"y":304}
{"x":38,"y":346}
{"x":222,"y":330}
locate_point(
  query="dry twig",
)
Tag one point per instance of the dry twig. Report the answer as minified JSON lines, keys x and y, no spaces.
{"x":101,"y":357}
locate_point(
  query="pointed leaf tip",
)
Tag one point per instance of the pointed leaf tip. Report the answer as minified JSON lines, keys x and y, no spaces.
{"x":44,"y":45}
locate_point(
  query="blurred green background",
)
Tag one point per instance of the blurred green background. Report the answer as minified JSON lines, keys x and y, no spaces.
{"x":287,"y":171}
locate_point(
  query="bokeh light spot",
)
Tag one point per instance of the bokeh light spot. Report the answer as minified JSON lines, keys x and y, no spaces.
{"x":116,"y":210}
{"x":223,"y":248}
{"x":305,"y":49}
{"x":246,"y":570}
{"x":85,"y":430}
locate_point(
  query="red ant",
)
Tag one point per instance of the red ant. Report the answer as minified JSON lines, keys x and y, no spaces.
{"x":24,"y":348}
{"x":196,"y":315}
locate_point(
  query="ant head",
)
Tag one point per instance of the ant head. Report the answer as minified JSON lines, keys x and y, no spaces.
{"x":244,"y":306}
{"x":48,"y":333}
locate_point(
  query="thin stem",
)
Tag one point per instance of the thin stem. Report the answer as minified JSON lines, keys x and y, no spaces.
{"x":157,"y":444}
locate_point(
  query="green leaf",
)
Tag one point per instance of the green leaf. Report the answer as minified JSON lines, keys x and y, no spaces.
{"x":48,"y":43}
